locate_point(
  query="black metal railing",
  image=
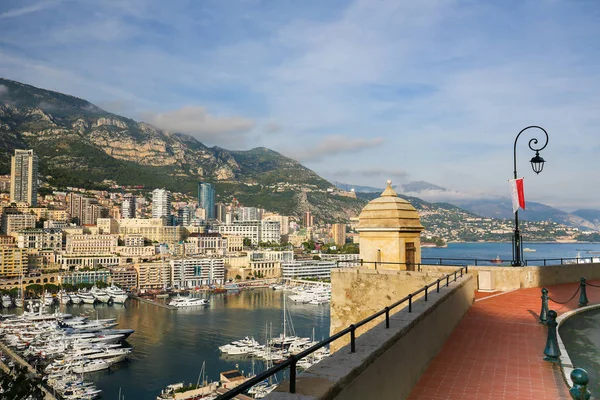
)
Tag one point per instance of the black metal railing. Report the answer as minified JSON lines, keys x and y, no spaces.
{"x":560,"y":261}
{"x":292,"y":361}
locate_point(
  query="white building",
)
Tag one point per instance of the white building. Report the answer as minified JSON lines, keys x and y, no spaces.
{"x":256,"y":231}
{"x":270,"y":231}
{"x":249,"y":214}
{"x":134,"y":240}
{"x":128,"y":206}
{"x":195,"y":272}
{"x":206,"y":243}
{"x":307,"y":269}
{"x":86,"y":261}
{"x":161,"y":203}
{"x":92,"y":244}
{"x":345,"y":260}
{"x":285,"y":256}
{"x":40,"y":239}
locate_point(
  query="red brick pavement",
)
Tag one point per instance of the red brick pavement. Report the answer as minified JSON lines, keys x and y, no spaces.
{"x":496,"y":351}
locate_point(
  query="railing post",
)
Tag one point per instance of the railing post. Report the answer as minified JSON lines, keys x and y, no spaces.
{"x":438,"y":285}
{"x":544,"y":262}
{"x":475,"y":262}
{"x":293,"y":374}
{"x":461,"y":272}
{"x":583,"y":300}
{"x":580,"y":379}
{"x":544,"y":311}
{"x":410,"y":302}
{"x":440,"y":261}
{"x":352,"y":339}
{"x":426,"y":287}
{"x":455,"y":272}
{"x":447,"y":280}
{"x":387,"y":317}
{"x":466,"y":269}
{"x":551,"y":350}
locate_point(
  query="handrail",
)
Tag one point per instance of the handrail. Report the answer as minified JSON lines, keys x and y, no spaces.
{"x":293,"y":360}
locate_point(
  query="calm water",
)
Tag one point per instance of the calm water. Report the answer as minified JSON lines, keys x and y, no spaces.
{"x":170,"y":346}
{"x":581,"y":336}
{"x":489,"y":251}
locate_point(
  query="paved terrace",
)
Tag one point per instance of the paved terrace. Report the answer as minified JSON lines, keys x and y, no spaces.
{"x":496,"y":351}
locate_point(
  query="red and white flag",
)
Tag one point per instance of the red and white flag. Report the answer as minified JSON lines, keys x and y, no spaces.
{"x":517,"y":194}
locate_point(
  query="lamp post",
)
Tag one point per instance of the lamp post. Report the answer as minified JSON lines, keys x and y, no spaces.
{"x":537,"y":163}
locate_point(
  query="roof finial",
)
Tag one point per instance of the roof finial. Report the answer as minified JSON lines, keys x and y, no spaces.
{"x":389,"y":192}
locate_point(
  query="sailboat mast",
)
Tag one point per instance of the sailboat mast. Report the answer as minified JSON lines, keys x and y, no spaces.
{"x":284,"y":321}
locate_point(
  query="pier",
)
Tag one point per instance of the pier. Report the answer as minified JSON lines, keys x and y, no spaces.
{"x":154,"y":303}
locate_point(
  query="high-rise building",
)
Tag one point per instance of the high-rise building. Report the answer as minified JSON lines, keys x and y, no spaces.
{"x":249,"y":214}
{"x":161,"y":203}
{"x":308,"y":219}
{"x":206,"y":198}
{"x":24,"y":177}
{"x":128,"y":206}
{"x":220,"y":212}
{"x":185,"y":215}
{"x":338,"y":234}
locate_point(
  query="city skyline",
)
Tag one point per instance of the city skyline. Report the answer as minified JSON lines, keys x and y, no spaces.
{"x":358,"y":93}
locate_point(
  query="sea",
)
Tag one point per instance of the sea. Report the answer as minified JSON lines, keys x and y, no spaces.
{"x":172,"y":346}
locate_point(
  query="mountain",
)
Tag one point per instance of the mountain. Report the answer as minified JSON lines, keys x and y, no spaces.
{"x":357,"y":188}
{"x":420,"y":186}
{"x":82,"y":145}
{"x":502,"y":208}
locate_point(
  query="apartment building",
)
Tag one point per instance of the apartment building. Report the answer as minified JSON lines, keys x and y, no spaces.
{"x":197,"y":271}
{"x":92,"y":244}
{"x":153,"y":275}
{"x":39,"y":239}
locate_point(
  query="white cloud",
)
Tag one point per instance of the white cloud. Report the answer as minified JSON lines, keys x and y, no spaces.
{"x":17,"y":12}
{"x":3,"y":90}
{"x":197,"y":122}
{"x":331,"y":145}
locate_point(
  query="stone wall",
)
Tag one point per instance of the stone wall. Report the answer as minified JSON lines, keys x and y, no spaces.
{"x":510,"y":278}
{"x":357,"y":293}
{"x":387,"y":362}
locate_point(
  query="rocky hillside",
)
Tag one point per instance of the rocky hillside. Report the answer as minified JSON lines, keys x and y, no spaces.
{"x":81,"y":145}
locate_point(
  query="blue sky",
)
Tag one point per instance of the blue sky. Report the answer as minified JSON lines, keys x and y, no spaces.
{"x":360,"y":91}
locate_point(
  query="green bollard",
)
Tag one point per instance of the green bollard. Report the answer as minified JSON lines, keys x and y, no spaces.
{"x":544,"y":311}
{"x":580,"y":379}
{"x":583,"y":300}
{"x":552,"y":351}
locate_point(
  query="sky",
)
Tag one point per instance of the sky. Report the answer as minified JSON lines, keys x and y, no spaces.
{"x":359,"y":91}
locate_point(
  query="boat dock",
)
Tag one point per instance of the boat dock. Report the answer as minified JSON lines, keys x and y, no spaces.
{"x":16,"y":358}
{"x":143,"y":300}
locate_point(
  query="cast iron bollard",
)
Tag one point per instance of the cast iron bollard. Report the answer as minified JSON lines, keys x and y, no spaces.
{"x":580,"y":379}
{"x":583,"y":300}
{"x":544,"y":311}
{"x":552,"y":351}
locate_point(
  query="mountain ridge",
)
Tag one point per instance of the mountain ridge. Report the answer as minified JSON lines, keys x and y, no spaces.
{"x":82,"y":145}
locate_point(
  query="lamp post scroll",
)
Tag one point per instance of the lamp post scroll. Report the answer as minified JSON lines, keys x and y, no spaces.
{"x":537,"y":164}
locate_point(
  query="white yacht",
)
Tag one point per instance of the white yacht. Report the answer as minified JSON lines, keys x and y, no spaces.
{"x":63,"y":297}
{"x":181,"y":302}
{"x":117,"y":295}
{"x":86,"y":297}
{"x":6,"y":301}
{"x":100,"y":295}
{"x":48,"y":299}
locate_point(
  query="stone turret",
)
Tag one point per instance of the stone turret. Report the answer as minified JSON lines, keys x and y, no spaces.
{"x":389,"y":229}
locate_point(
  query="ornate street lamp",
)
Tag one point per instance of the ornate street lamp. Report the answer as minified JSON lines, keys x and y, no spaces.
{"x":537,"y":163}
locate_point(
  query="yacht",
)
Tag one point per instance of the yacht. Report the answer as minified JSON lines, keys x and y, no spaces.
{"x":63,"y":297}
{"x":6,"y":301}
{"x":100,"y":295}
{"x":116,"y":294}
{"x":181,"y":302}
{"x":86,"y":297}
{"x":48,"y":299}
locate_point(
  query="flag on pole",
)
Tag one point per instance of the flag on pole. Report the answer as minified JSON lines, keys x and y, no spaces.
{"x":517,"y":194}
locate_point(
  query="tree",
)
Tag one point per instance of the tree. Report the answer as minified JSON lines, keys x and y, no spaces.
{"x":101,"y":284}
{"x":22,"y":386}
{"x":317,"y":258}
{"x":247,"y":242}
{"x":34,"y":289}
{"x":238,"y":277}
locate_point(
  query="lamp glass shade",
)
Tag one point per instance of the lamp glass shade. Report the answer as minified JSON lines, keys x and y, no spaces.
{"x":537,"y":163}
